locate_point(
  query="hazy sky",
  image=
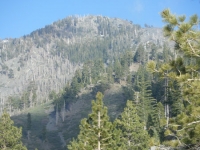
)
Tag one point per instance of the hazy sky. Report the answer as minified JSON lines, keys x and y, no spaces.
{"x":21,"y":17}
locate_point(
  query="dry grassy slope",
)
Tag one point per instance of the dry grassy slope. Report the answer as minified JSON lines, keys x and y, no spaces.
{"x":65,"y":131}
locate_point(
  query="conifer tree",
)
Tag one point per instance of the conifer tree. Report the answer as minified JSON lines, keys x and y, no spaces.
{"x":118,"y":70}
{"x":133,"y":135}
{"x":185,"y":126}
{"x":96,"y":132}
{"x":10,"y":136}
{"x":140,"y":55}
{"x":144,"y":101}
{"x":187,"y":38}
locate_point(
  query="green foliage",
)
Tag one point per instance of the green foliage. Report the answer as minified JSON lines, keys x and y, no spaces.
{"x":109,"y":71}
{"x":140,"y":55}
{"x":96,"y":130}
{"x":182,"y":73}
{"x":144,"y":100}
{"x":133,"y":135}
{"x":186,"y":36}
{"x":153,"y":53}
{"x":101,"y":87}
{"x":118,"y":69}
{"x":98,"y":75}
{"x":10,"y":136}
{"x":128,"y":92}
{"x":97,"y":70}
{"x":107,"y":44}
{"x":27,"y":99}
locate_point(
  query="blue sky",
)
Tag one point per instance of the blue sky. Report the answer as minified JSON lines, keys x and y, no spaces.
{"x":21,"y":17}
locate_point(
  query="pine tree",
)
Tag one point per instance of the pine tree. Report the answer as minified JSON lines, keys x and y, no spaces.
{"x":140,"y":55}
{"x":109,"y":71}
{"x":133,"y":135}
{"x":187,"y":39}
{"x":144,"y":101}
{"x":118,"y":70}
{"x":10,"y":136}
{"x":96,"y":132}
{"x":184,"y":70}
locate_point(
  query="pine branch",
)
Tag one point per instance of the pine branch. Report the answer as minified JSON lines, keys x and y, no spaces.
{"x":188,"y":101}
{"x":193,"y":79}
{"x":192,"y":32}
{"x":177,"y":138}
{"x":192,"y":49}
{"x":194,"y":122}
{"x":189,"y":124}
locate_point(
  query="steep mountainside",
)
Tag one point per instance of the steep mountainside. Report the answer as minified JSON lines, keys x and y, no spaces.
{"x":46,"y":60}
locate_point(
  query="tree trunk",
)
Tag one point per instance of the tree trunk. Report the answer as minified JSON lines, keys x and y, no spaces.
{"x":166,"y":101}
{"x":63,"y":112}
{"x":56,"y":114}
{"x":99,"y":134}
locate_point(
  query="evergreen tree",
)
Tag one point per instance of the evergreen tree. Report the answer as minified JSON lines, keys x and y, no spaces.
{"x":140,"y":55}
{"x":184,"y":69}
{"x":109,"y":71}
{"x":10,"y":136}
{"x":167,"y":54}
{"x":144,"y":101}
{"x":153,"y":53}
{"x":86,"y":74}
{"x":96,"y":132}
{"x":97,"y":70}
{"x":187,"y":39}
{"x":118,"y":70}
{"x":133,"y":135}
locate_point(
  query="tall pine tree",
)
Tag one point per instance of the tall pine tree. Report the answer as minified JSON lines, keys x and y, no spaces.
{"x":133,"y":135}
{"x":184,"y":69}
{"x":96,"y":132}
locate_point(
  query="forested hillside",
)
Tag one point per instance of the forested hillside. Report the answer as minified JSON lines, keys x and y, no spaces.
{"x":95,"y":82}
{"x":46,"y":60}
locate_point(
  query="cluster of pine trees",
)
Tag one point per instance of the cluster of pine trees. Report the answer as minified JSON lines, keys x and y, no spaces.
{"x":97,"y":132}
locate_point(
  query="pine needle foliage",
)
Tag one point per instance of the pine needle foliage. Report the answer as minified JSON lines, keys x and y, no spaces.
{"x":133,"y":135}
{"x":96,"y":131}
{"x":184,"y":34}
{"x":184,"y":72}
{"x":10,"y":136}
